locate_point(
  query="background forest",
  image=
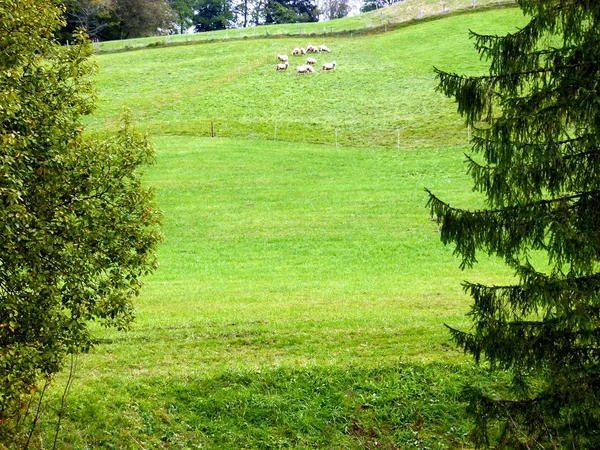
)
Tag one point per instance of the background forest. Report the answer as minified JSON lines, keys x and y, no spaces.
{"x":123,"y":19}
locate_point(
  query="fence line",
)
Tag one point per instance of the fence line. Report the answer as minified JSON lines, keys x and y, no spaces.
{"x":405,"y":137}
{"x":294,"y":29}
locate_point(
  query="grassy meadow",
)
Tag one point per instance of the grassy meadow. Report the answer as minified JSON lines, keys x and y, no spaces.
{"x":383,"y":87}
{"x":302,"y":291}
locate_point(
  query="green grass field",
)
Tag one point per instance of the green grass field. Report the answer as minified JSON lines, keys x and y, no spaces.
{"x":302,"y":290}
{"x":384,"y":86}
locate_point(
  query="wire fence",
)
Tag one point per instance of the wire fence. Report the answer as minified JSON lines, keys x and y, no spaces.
{"x":376,"y":21}
{"x":407,"y":136}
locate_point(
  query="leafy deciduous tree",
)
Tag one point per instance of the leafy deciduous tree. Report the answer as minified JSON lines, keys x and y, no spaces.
{"x":257,"y":12}
{"x":335,"y":9}
{"x":371,"y":5}
{"x":139,"y":18}
{"x":184,"y":10}
{"x":212,"y":14}
{"x":243,"y":11}
{"x":77,"y":228}
{"x":536,"y":157}
{"x":290,"y":11}
{"x":91,"y":15}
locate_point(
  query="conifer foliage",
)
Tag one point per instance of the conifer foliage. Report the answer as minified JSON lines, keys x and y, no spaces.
{"x":536,"y":158}
{"x":77,"y":228}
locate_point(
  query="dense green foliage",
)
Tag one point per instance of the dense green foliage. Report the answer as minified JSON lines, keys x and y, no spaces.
{"x":372,"y":5}
{"x":335,"y":9}
{"x":536,"y":159}
{"x":184,"y":11}
{"x":212,"y":14}
{"x":77,"y":228}
{"x":135,"y":18}
{"x":120,"y":19}
{"x":290,"y":11}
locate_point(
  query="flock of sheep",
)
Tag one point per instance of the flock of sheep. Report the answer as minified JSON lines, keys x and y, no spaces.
{"x":310,"y":61}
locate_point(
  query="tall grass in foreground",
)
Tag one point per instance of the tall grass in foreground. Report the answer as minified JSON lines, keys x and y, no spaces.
{"x":400,"y":406}
{"x":300,"y":303}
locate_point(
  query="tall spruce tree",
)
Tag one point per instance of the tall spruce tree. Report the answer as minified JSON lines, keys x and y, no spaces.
{"x":536,"y":158}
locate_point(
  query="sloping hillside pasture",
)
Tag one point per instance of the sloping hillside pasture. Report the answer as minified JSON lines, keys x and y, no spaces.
{"x":383,"y":84}
{"x":302,"y":290}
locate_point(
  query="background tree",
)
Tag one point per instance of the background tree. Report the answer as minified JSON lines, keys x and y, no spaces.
{"x":213,"y":15}
{"x":371,"y":5}
{"x":335,"y":9}
{"x":306,"y":10}
{"x":276,"y":11}
{"x":290,"y":11}
{"x":91,"y":15}
{"x":139,"y":18}
{"x":536,"y":157}
{"x":243,"y":12}
{"x":184,"y":11}
{"x":77,"y":228}
{"x":257,"y":13}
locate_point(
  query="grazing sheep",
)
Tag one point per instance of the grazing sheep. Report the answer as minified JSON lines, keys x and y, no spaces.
{"x":329,"y":66}
{"x":282,"y":58}
{"x":283,"y":66}
{"x":310,"y":60}
{"x":304,"y":69}
{"x":297,"y":52}
{"x":323,"y":48}
{"x":312,"y":49}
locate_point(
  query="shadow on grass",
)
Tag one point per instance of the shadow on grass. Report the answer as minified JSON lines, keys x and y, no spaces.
{"x":408,"y":405}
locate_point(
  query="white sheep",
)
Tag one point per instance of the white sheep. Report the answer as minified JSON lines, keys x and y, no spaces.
{"x":283,"y":66}
{"x":297,"y":52}
{"x":323,"y":48}
{"x":310,"y":60}
{"x":282,"y":58}
{"x":305,"y":68}
{"x":312,"y":49}
{"x":329,"y":66}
